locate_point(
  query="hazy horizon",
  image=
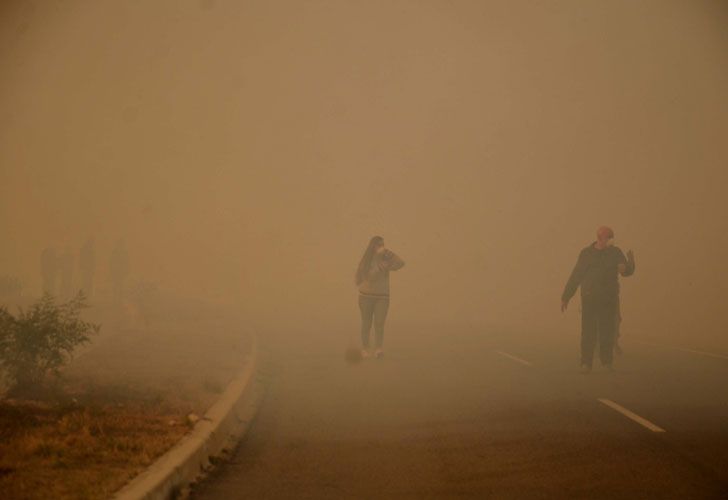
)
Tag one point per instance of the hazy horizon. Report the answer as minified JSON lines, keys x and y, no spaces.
{"x":247,"y":151}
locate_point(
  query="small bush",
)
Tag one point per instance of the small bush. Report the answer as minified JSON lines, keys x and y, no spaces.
{"x":39,"y":341}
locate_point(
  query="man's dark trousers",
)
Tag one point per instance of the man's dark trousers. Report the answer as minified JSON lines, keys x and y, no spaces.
{"x":598,"y":322}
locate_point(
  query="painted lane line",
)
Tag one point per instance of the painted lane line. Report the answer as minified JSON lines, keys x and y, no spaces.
{"x":633,"y":416}
{"x":514,"y":358}
{"x":704,"y":353}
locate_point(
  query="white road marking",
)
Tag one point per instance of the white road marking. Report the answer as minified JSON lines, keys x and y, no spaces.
{"x":624,"y":411}
{"x":514,"y":358}
{"x":704,"y":353}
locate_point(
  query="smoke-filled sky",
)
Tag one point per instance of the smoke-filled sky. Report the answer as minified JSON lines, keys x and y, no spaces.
{"x":248,"y":150}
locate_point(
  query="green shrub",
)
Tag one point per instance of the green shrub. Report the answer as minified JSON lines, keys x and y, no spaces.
{"x":39,"y":341}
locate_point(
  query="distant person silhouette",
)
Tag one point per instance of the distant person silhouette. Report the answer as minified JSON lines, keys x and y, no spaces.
{"x":87,"y":267}
{"x":118,"y":269}
{"x":618,"y":329}
{"x":67,"y":263}
{"x":597,"y":272}
{"x":49,"y":269}
{"x":372,"y":278}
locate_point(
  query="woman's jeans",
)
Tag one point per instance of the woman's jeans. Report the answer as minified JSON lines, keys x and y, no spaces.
{"x":373,"y":309}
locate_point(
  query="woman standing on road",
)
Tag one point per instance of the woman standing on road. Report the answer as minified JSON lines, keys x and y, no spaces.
{"x":372,"y":278}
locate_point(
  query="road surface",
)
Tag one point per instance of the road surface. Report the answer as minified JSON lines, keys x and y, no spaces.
{"x":476,"y":414}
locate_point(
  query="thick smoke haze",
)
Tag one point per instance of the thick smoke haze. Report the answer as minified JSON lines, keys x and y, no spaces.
{"x":247,"y":151}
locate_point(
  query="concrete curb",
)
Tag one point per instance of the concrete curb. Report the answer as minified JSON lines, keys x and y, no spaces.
{"x":223,"y":424}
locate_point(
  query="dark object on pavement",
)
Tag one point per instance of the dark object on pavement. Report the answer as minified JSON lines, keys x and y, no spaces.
{"x":353,"y":355}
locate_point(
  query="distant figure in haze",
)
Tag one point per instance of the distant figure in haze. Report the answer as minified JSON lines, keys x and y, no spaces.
{"x":597,"y":272}
{"x":49,"y":269}
{"x":67,"y":263}
{"x":119,"y":269}
{"x":372,"y":278}
{"x":618,"y":329}
{"x":87,"y":267}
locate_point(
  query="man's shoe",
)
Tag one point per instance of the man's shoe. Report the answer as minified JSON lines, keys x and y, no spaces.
{"x":364,"y":353}
{"x":379,"y":354}
{"x":585,"y":369}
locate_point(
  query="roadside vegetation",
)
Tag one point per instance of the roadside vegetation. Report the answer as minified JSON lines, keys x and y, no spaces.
{"x":79,"y":451}
{"x":82,"y":411}
{"x":36,"y":343}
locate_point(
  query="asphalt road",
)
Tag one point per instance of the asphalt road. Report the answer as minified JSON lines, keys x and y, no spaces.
{"x":466,"y":413}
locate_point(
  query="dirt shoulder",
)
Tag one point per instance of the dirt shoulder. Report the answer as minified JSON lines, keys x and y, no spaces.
{"x":123,"y":401}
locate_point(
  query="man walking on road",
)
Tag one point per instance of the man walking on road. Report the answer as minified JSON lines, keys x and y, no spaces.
{"x":119,"y":270}
{"x":596,"y":271}
{"x":87,"y":266}
{"x":49,"y":269}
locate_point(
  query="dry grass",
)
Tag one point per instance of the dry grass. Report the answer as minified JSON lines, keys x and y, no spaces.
{"x":80,"y":452}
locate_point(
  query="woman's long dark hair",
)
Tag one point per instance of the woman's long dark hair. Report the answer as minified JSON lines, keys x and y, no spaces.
{"x":366,"y":259}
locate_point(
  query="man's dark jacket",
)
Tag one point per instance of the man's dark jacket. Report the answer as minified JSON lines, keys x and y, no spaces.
{"x":596,"y":271}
